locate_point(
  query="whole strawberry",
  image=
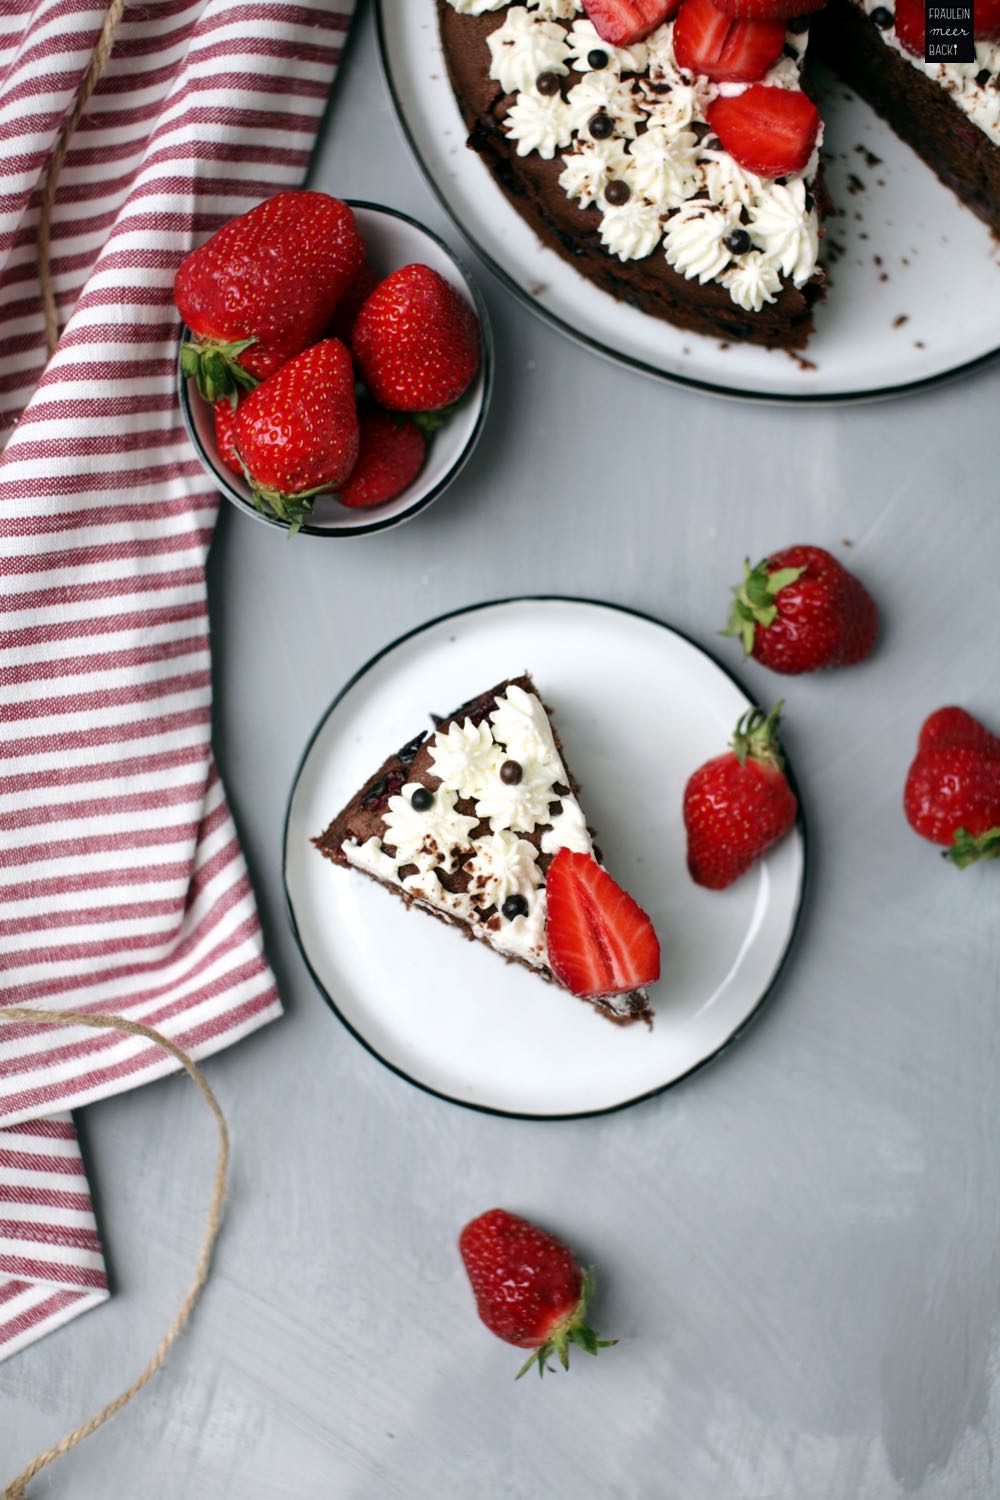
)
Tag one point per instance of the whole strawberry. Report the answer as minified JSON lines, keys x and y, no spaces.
{"x":297,"y":433}
{"x":739,"y":804}
{"x":264,"y":287}
{"x":416,"y":341}
{"x":530,"y":1290}
{"x":800,"y":610}
{"x":952,"y":793}
{"x":390,"y":458}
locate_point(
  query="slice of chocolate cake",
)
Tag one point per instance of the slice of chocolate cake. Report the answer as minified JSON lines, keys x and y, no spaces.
{"x":468,"y":822}
{"x":680,"y":172}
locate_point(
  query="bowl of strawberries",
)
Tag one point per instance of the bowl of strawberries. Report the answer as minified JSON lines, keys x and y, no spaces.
{"x":335,"y":366}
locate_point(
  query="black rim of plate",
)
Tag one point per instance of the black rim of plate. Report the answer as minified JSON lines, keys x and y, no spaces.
{"x":685,"y":382}
{"x":365,"y":528}
{"x":489,"y":1109}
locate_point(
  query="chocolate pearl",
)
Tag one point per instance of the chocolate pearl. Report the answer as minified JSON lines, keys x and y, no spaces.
{"x":798,"y":24}
{"x":601,"y":126}
{"x":983,"y":77}
{"x":882,"y":17}
{"x":547,"y":83}
{"x":598,"y":59}
{"x":737,"y":241}
{"x":511,"y":773}
{"x":421,"y":799}
{"x":514,"y":906}
{"x":617,"y":193}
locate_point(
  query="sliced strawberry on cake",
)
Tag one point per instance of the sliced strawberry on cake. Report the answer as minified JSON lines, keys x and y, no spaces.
{"x":481,"y":825}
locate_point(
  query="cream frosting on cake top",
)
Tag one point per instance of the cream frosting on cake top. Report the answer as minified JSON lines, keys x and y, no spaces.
{"x":474,"y":764}
{"x":686,"y":197}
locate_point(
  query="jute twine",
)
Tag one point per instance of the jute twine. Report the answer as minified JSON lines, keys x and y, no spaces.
{"x":98,"y":58}
{"x":17,"y":1488}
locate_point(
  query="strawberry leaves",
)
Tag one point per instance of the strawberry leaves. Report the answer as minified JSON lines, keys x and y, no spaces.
{"x":577,"y":1333}
{"x":215,"y":368}
{"x":968,"y":849}
{"x":754,"y":601}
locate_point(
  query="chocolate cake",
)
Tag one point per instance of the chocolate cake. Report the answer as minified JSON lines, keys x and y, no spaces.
{"x":696,"y":239}
{"x":466,"y":822}
{"x":611,"y":156}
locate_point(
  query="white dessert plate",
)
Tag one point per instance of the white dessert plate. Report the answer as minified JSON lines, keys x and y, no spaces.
{"x":915,"y":277}
{"x":638,"y":707}
{"x":392,"y":239}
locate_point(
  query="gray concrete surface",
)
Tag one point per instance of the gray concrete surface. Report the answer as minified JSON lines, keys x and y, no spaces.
{"x":799,"y":1247}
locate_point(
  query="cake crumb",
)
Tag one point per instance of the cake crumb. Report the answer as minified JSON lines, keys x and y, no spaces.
{"x":898,"y":322}
{"x":854,"y":184}
{"x":869,"y":156}
{"x":538,"y":289}
{"x":845,"y":541}
{"x":919,"y":344}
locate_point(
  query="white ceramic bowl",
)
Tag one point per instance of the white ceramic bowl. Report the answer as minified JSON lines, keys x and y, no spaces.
{"x":392,"y":239}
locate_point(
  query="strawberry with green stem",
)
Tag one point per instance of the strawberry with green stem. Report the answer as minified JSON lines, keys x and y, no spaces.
{"x":297,"y":434}
{"x":263,"y":288}
{"x":530,"y":1289}
{"x":800,"y":610}
{"x":739,"y":804}
{"x":952,"y":792}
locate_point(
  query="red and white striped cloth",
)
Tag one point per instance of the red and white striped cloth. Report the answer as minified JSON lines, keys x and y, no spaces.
{"x":122,"y":884}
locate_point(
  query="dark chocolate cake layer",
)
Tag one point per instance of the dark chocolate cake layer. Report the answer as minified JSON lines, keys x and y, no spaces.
{"x":532,"y":186}
{"x":364,"y":818}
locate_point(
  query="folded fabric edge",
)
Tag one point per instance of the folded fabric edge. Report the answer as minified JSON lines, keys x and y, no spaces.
{"x":30,"y":1310}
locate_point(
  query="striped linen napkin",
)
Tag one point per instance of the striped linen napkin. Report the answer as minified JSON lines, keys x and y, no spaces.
{"x":122,"y":884}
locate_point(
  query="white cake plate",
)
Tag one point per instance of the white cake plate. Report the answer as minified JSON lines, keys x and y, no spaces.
{"x":638,"y":707}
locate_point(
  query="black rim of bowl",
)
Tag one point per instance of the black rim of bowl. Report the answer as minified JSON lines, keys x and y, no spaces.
{"x":489,"y":1109}
{"x":684,"y":382}
{"x":386,"y":523}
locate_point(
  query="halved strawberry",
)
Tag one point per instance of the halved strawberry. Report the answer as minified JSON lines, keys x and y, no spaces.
{"x":622,"y":22}
{"x":986,"y":20}
{"x":911,"y":25}
{"x":769,"y":131}
{"x":708,"y":42}
{"x":601,"y":942}
{"x":767,"y":10}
